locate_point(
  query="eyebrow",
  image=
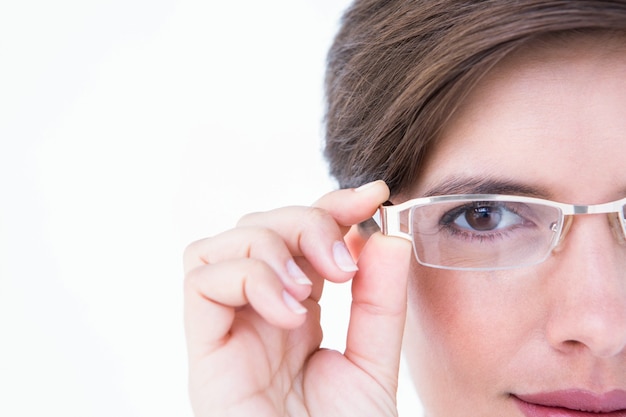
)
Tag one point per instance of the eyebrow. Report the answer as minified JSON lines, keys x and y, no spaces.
{"x":461,"y":185}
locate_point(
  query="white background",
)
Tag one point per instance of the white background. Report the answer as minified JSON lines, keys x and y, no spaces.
{"x":129,"y":128}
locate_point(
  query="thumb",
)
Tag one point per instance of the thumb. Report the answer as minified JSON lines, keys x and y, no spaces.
{"x":379,"y":299}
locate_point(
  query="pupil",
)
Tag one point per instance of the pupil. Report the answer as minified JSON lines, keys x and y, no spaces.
{"x":483,"y":218}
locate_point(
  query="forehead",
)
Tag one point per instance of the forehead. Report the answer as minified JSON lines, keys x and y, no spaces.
{"x":551,"y":117}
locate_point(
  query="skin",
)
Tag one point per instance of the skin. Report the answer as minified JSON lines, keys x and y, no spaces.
{"x":552,"y":119}
{"x":253,"y":354}
{"x":548,"y":118}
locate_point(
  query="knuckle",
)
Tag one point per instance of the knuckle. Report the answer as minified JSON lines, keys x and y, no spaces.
{"x":192,"y":254}
{"x":251,"y":241}
{"x":316,"y":216}
{"x":263,"y":237}
{"x":257,"y":270}
{"x":191,"y":250}
{"x":239,"y":242}
{"x":247,"y":219}
{"x":192,"y":283}
{"x":242,"y":272}
{"x":318,"y":222}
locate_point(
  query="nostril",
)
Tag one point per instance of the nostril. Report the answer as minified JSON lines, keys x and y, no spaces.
{"x":571,"y":346}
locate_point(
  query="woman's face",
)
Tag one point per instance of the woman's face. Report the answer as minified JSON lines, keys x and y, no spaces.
{"x":551,"y":119}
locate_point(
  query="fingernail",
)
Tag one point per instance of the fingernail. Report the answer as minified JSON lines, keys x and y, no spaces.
{"x":343,"y":259}
{"x":298,"y":276}
{"x":293,"y":304}
{"x":366,"y":186}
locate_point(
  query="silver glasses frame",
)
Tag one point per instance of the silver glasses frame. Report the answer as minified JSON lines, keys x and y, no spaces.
{"x":391,"y":222}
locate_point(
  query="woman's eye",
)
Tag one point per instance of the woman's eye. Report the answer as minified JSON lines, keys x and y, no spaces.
{"x":486,"y":218}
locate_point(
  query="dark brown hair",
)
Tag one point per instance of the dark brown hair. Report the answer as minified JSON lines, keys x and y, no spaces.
{"x":398,"y":69}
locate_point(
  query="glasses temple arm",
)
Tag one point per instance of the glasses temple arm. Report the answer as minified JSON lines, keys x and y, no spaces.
{"x":377,"y":223}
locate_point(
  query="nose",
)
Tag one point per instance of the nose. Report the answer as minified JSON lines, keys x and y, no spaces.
{"x":587,"y":290}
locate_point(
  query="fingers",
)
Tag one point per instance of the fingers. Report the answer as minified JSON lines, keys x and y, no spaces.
{"x":311,"y":233}
{"x":317,"y":232}
{"x":213,"y":292}
{"x":352,"y":206}
{"x":238,"y":268}
{"x":378,"y":313}
{"x":270,"y":263}
{"x":258,"y":243}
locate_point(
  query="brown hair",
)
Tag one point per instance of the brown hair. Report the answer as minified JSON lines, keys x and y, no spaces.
{"x":398,"y":69}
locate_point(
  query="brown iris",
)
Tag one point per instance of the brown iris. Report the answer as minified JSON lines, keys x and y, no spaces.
{"x":483,"y":218}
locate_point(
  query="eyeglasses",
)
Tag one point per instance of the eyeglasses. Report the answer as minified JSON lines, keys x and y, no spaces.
{"x":489,"y":231}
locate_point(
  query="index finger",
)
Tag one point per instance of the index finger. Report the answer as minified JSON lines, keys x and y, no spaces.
{"x":361,"y":206}
{"x":317,"y":232}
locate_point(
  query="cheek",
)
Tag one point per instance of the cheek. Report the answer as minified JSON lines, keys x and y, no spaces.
{"x":463,"y":331}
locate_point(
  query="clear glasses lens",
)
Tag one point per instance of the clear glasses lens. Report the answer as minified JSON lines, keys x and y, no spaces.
{"x":484,"y":235}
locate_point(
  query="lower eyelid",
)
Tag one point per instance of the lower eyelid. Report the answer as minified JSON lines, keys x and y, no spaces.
{"x":469,"y":234}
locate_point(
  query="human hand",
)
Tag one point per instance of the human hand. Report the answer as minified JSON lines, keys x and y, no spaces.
{"x":252,"y":313}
